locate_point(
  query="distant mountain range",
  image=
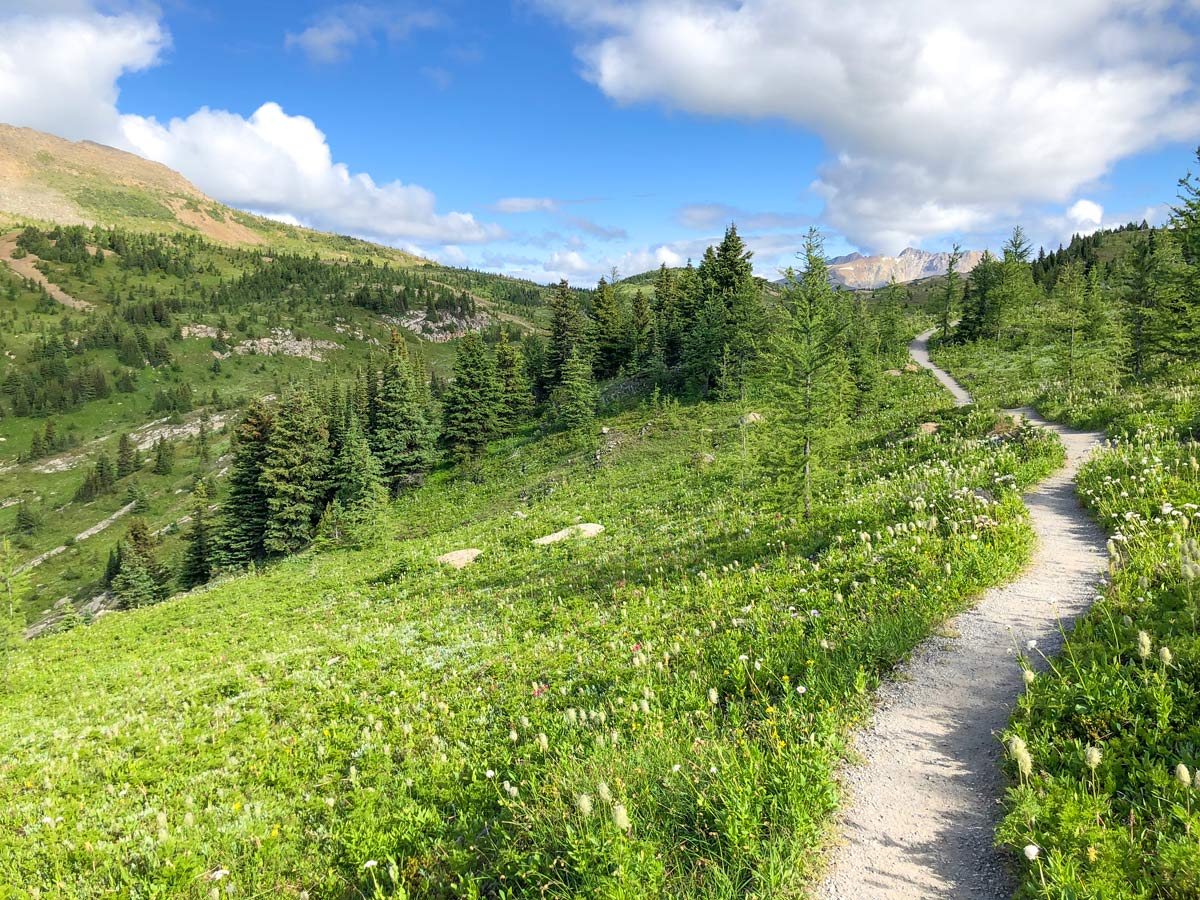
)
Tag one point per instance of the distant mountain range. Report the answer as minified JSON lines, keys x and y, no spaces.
{"x":864,"y":272}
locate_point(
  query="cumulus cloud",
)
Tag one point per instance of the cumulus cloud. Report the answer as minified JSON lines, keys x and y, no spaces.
{"x":945,"y":118}
{"x":60,"y":71}
{"x":282,"y":165}
{"x":59,"y":67}
{"x":333,"y":34}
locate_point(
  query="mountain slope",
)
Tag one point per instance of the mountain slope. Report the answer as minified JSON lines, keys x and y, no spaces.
{"x":50,"y":179}
{"x":863,"y":272}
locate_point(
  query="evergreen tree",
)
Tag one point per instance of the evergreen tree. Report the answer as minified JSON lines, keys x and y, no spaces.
{"x":640,"y":338}
{"x":950,"y":291}
{"x":472,"y":403}
{"x":403,"y":436}
{"x":197,"y":560}
{"x":127,"y":456}
{"x":576,"y":396}
{"x":164,"y":457}
{"x":244,"y":518}
{"x":809,"y":372}
{"x":569,"y":334}
{"x":294,"y":473}
{"x":516,"y":398}
{"x":202,"y":448}
{"x":667,"y":317}
{"x":29,"y":519}
{"x":1177,"y":316}
{"x":359,"y":492}
{"x":139,"y":579}
{"x":609,"y":330}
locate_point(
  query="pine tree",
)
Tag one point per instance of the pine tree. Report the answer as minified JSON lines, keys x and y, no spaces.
{"x":950,"y":291}
{"x":127,"y":457}
{"x":29,"y":519}
{"x":244,"y":518}
{"x":640,"y":338}
{"x":569,"y":333}
{"x":202,"y":448}
{"x":294,"y":473}
{"x":197,"y":560}
{"x":403,"y":436}
{"x":139,"y":579}
{"x":164,"y":457}
{"x":667,"y":316}
{"x":609,"y":329}
{"x":1177,"y":317}
{"x":516,"y":398}
{"x":359,"y":492}
{"x":576,"y":396}
{"x":809,"y":372}
{"x":746,"y":322}
{"x":472,"y":403}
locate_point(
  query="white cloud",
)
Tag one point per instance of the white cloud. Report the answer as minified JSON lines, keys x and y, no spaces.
{"x":707,"y":216}
{"x":59,"y":67}
{"x":282,"y":165}
{"x":946,"y":117}
{"x":60,"y":73}
{"x":1086,"y":216}
{"x":330,"y":38}
{"x":521,"y":205}
{"x":568,"y":262}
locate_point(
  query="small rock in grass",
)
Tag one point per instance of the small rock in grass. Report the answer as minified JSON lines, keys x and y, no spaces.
{"x":586,"y":530}
{"x":459,"y":559}
{"x":928,"y":427}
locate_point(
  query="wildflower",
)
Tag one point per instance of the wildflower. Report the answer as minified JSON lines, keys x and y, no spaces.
{"x":1164,"y":655}
{"x":217,"y":874}
{"x":490,"y":773}
{"x":1029,"y":675}
{"x":713,"y":696}
{"x":621,"y":817}
{"x":584,"y":804}
{"x":1031,"y":645}
{"x":1143,"y":644}
{"x":604,"y":792}
{"x":1031,"y":852}
{"x":676,"y":767}
{"x":1183,"y":776}
{"x":370,"y":864}
{"x":543,"y":742}
{"x":1092,"y":757}
{"x":801,"y":690}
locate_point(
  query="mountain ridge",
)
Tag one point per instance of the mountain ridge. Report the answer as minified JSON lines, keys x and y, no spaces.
{"x":860,"y":272}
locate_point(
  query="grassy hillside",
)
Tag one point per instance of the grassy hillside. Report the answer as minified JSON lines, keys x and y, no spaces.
{"x":655,"y":711}
{"x":215,"y":326}
{"x":49,"y":180}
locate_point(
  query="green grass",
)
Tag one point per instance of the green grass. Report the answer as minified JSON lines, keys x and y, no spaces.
{"x":340,"y":709}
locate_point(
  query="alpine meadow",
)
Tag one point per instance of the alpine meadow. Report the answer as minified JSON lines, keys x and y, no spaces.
{"x":766,"y":468}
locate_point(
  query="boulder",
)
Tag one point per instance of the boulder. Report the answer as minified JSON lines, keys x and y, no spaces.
{"x":587,"y":530}
{"x":459,"y":559}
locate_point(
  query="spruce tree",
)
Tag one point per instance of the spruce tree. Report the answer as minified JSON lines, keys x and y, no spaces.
{"x":359,"y":492}
{"x":472,"y":404}
{"x":127,"y":456}
{"x":569,"y":333}
{"x":950,"y":291}
{"x":640,"y":339}
{"x":403,"y":436}
{"x":244,"y":517}
{"x":809,"y":370}
{"x":516,"y":398}
{"x":667,"y":316}
{"x":294,"y":473}
{"x":576,"y":396}
{"x":197,"y":560}
{"x":1177,"y":317}
{"x":609,"y":330}
{"x":164,"y":457}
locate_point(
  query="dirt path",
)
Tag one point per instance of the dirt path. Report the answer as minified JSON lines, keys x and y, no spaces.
{"x":920,"y":811}
{"x":26,"y":269}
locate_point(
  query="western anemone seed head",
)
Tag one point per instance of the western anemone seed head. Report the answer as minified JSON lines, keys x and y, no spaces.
{"x":1092,"y":757}
{"x":713,"y":696}
{"x":543,"y":742}
{"x":1029,"y":675}
{"x":1031,"y":852}
{"x":1015,"y":744}
{"x":1183,"y":776}
{"x":621,"y":817}
{"x":512,"y":735}
{"x":1164,"y":655}
{"x":1196,"y":780}
{"x":1025,"y":763}
{"x":1143,"y":644}
{"x":584,"y":803}
{"x":604,"y":792}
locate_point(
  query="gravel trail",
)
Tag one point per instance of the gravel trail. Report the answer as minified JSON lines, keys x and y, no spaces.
{"x":920,"y":810}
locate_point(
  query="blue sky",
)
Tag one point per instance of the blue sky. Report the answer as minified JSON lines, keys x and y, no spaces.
{"x":559,"y":138}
